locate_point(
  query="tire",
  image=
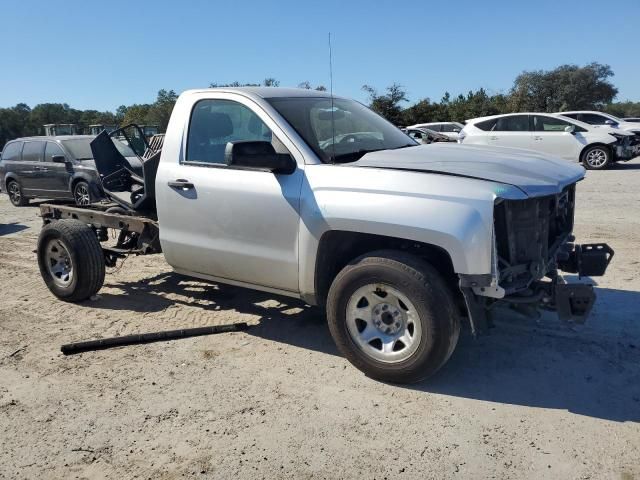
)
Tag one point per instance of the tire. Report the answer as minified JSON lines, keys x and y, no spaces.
{"x":15,"y":194}
{"x":428,"y":320}
{"x":71,"y":260}
{"x":596,"y":157}
{"x":82,"y":194}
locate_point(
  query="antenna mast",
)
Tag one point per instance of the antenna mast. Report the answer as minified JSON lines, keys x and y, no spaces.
{"x":333,"y":125}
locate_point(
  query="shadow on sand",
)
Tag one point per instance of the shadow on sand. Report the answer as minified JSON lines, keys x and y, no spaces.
{"x":577,"y":370}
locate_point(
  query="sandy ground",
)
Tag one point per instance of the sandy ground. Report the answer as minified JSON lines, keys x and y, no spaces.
{"x":532,"y":400}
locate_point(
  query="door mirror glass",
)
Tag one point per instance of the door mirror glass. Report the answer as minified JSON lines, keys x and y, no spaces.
{"x":456,"y":130}
{"x":59,"y":159}
{"x":570,"y":129}
{"x":609,"y":122}
{"x":258,"y":155}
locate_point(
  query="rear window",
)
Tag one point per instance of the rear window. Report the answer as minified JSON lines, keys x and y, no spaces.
{"x":487,"y":125}
{"x":32,"y":151}
{"x":12,"y":151}
{"x":515,"y":123}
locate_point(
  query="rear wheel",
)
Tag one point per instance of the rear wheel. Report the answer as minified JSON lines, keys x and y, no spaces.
{"x":597,"y":157}
{"x":15,"y":194}
{"x":393,"y":316}
{"x":71,"y":260}
{"x":81,"y":194}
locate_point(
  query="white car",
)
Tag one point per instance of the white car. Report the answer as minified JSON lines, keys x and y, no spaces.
{"x":450,"y":129}
{"x":601,"y":118}
{"x":595,"y":147}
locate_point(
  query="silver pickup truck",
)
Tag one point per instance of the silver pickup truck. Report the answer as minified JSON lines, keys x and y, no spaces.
{"x":316,"y":197}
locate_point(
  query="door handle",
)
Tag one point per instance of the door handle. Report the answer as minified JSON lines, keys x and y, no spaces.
{"x":493,"y":138}
{"x":181,"y":184}
{"x":537,"y":138}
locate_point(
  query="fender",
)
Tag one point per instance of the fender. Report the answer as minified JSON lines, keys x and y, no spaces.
{"x":452,"y":213}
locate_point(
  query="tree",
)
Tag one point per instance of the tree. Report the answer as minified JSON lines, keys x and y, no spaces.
{"x":567,"y":87}
{"x":387,"y":105}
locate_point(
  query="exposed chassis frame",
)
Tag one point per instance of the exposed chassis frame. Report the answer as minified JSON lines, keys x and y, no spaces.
{"x":139,"y":235}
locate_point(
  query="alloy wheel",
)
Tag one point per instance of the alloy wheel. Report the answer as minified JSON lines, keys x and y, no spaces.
{"x":597,"y":158}
{"x":82,"y":195}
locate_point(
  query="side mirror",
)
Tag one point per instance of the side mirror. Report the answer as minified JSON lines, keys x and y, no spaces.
{"x":456,"y":130}
{"x":59,"y":159}
{"x":570,"y":129}
{"x":609,"y":122}
{"x":258,"y":156}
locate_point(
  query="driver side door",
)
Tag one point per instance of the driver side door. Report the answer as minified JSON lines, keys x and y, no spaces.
{"x":225,"y":223}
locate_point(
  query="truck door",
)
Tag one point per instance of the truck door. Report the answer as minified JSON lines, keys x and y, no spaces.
{"x":224,"y":222}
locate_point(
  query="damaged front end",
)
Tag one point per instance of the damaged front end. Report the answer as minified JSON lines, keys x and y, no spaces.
{"x":532,"y":243}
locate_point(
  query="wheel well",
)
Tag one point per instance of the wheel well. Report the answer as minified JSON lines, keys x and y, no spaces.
{"x":608,"y":147}
{"x":337,"y":248}
{"x":7,"y":180}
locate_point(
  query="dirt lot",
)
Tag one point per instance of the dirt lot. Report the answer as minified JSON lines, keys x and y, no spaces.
{"x":532,"y":400}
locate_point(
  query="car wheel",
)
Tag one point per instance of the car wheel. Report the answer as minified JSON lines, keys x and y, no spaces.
{"x":82,"y":194}
{"x":71,"y":260}
{"x":15,"y":194}
{"x":597,"y":157}
{"x":393,"y":316}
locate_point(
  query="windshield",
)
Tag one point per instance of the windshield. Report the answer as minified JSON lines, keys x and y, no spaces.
{"x":80,"y":148}
{"x":356,"y":130}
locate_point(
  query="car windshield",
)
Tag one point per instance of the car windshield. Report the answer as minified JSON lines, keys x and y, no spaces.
{"x":339,"y":131}
{"x":80,"y":148}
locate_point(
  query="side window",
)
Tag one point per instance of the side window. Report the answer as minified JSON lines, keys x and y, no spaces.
{"x":415,"y":134}
{"x":436,"y":128}
{"x":51,"y":150}
{"x":570,"y":115}
{"x":32,"y":151}
{"x":12,"y":151}
{"x":487,"y":125}
{"x":513,"y":123}
{"x":549,"y":124}
{"x":216,"y":122}
{"x":449,"y":127}
{"x":593,"y":119}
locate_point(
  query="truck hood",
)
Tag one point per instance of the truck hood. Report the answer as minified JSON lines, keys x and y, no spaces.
{"x":534,"y":173}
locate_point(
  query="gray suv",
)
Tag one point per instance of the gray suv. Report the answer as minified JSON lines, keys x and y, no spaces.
{"x":50,"y":167}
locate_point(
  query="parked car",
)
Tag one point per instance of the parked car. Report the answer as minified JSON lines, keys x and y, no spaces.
{"x":426,"y":136}
{"x":551,"y":134}
{"x":51,"y":167}
{"x":608,"y":120}
{"x":450,"y":129}
{"x":396,"y":240}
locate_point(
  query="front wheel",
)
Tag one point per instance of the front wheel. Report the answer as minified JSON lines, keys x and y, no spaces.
{"x":393,"y":316}
{"x":82,"y":194}
{"x":71,"y":260}
{"x":15,"y":194}
{"x":597,"y":157}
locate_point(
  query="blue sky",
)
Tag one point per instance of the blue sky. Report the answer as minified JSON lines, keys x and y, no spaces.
{"x":105,"y":54}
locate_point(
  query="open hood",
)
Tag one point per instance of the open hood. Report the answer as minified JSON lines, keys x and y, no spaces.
{"x":534,"y":173}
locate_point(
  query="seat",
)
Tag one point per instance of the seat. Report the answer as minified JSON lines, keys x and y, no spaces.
{"x":208,"y":135}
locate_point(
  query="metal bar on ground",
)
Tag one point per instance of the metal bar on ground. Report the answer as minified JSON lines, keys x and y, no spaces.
{"x":90,"y":345}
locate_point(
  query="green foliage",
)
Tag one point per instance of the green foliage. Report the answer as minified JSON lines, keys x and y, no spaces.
{"x":568,"y":87}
